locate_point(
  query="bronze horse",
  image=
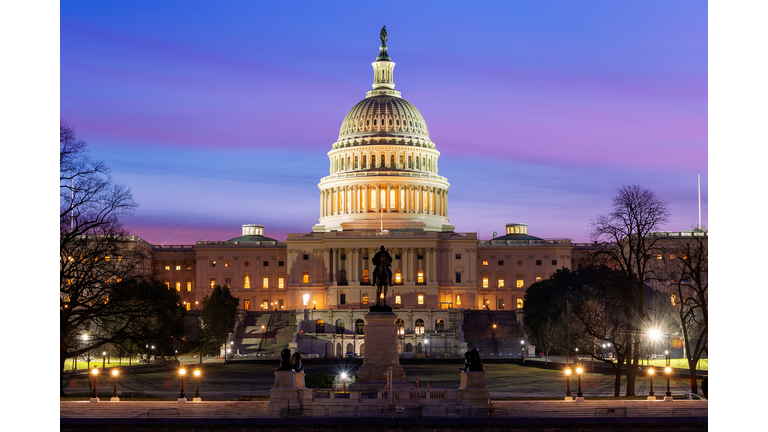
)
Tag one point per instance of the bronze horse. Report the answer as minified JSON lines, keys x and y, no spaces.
{"x":382,"y":275}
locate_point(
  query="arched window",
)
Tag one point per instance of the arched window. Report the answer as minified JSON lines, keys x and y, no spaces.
{"x":439,"y":325}
{"x":247,"y":281}
{"x":519,"y":303}
{"x":400,"y":326}
{"x":418,"y":348}
{"x":408,"y":347}
{"x":373,"y":161}
{"x":365,"y":162}
{"x":392,"y":161}
{"x":366,"y":279}
{"x":383,"y":159}
{"x":375,"y":122}
{"x":420,"y":277}
{"x":360,"y":327}
{"x":343,"y":277}
{"x":339,"y":326}
{"x":355,"y":162}
{"x":419,"y":328}
{"x":368,"y":122}
{"x":417,"y":163}
{"x":319,"y":326}
{"x":410,"y":162}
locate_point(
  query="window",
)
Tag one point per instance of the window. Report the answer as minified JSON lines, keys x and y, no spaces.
{"x":458,"y":277}
{"x":519,"y":303}
{"x":398,"y":299}
{"x":501,"y":262}
{"x":439,"y":325}
{"x":265,"y":304}
{"x":671,"y":256}
{"x":305,"y":277}
{"x":658,"y":256}
{"x":213,"y":263}
{"x":538,"y":262}
{"x":280,"y":283}
{"x":398,"y":277}
{"x":189,"y":286}
{"x":365,"y":256}
{"x":458,"y":256}
{"x":266,"y":263}
{"x":360,"y":327}
{"x":281,"y":303}
{"x":167,"y":267}
{"x":178,"y":267}
{"x":247,"y":281}
{"x":366,"y":280}
{"x":419,"y":329}
{"x":365,"y":298}
{"x":319,"y":326}
{"x":305,"y":299}
{"x":485,"y":262}
{"x":421,"y":299}
{"x":188,"y":306}
{"x":280,"y":264}
{"x":538,"y":278}
{"x":306,"y":257}
{"x":339,"y":326}
{"x":578,"y":267}
{"x":178,"y":285}
{"x":106,"y":258}
{"x":420,"y":277}
{"x":685,"y":256}
{"x":247,"y":304}
{"x":421,"y":256}
{"x":168,"y":285}
{"x":674,"y":299}
{"x":189,"y":268}
{"x":554,"y":262}
{"x":265,"y":283}
{"x":227,"y":264}
{"x":397,"y":256}
{"x":228,"y":282}
{"x":342,"y":298}
{"x":485,"y":282}
{"x":343,"y":256}
{"x":458,"y":299}
{"x":400,"y":326}
{"x":501,"y":283}
{"x":520,"y":283}
{"x":501,"y":304}
{"x":213,"y":282}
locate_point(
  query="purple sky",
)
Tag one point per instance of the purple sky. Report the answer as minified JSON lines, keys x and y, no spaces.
{"x":221,"y":113}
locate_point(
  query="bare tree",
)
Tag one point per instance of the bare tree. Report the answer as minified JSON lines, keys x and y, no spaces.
{"x":636,"y":214}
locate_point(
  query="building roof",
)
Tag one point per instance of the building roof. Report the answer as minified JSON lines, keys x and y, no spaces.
{"x":251,"y":238}
{"x":517,"y":237}
{"x":395,"y":117}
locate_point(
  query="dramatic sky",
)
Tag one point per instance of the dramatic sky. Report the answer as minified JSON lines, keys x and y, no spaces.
{"x":221,"y":113}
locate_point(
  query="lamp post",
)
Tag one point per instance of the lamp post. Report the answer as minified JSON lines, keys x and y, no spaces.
{"x":94,"y":398}
{"x":197,"y":386}
{"x":668,"y":371}
{"x":182,"y":372}
{"x":651,"y":397}
{"x":426,"y":343}
{"x":114,"y":386}
{"x":103,"y":359}
{"x":522,"y":349}
{"x":579,"y":370}
{"x":568,"y":384}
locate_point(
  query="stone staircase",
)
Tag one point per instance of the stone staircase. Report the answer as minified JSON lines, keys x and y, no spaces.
{"x":264,"y":333}
{"x":504,"y":341}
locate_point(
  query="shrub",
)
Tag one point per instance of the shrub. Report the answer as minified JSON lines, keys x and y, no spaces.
{"x":318,"y":380}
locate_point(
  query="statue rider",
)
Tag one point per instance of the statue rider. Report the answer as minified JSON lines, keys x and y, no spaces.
{"x":382,"y":275}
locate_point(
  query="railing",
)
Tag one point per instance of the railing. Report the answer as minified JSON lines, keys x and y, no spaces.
{"x":442,"y":395}
{"x":163,"y":413}
{"x":611,"y":412}
{"x":542,"y":242}
{"x":690,"y":412}
{"x":380,"y":411}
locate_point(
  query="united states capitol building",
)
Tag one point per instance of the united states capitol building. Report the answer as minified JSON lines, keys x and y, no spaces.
{"x":383,"y":188}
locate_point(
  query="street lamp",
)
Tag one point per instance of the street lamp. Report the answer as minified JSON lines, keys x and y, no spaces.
{"x":94,"y":398}
{"x":668,"y":371}
{"x":650,"y":392}
{"x":568,"y":384}
{"x":103,"y":359}
{"x":522,"y":349}
{"x":197,"y":386}
{"x":182,"y":371}
{"x":579,"y":370}
{"x":114,"y":386}
{"x":426,"y":342}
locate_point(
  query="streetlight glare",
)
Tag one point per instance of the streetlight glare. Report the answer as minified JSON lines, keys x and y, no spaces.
{"x":182,"y":371}
{"x":114,"y":372}
{"x":650,"y":371}
{"x":197,"y":373}
{"x":667,"y":369}
{"x":654,"y":334}
{"x":567,"y":371}
{"x":343,"y":375}
{"x":579,"y":370}
{"x":95,"y":371}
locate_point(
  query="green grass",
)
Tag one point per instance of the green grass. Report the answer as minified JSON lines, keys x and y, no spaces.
{"x":678,"y":363}
{"x":83,"y":365}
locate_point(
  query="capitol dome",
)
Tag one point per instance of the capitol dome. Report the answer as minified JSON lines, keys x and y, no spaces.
{"x":383,"y":166}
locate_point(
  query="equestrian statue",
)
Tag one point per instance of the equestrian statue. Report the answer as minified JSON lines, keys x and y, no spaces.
{"x":382,"y":277}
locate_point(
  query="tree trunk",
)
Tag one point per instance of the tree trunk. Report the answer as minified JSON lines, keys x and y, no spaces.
{"x":62,"y":360}
{"x":692,"y":371}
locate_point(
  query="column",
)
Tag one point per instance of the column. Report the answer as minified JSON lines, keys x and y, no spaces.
{"x":353,"y":262}
{"x":446,"y":203}
{"x":396,"y":188}
{"x":389,"y":197}
{"x":378,"y":198}
{"x":322,"y":205}
{"x":428,"y":266}
{"x":355,"y":199}
{"x":407,"y":264}
{"x":364,"y":199}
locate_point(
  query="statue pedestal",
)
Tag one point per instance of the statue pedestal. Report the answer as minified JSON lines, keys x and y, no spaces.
{"x":380,"y":354}
{"x":473,"y":389}
{"x":285,"y":393}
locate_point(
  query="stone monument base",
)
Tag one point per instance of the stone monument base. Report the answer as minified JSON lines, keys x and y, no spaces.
{"x":380,"y":354}
{"x":473,"y":389}
{"x":289,"y":391}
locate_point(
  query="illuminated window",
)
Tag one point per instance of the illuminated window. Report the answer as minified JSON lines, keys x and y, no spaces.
{"x":458,"y":299}
{"x":519,"y":303}
{"x":400,"y":326}
{"x":106,"y":258}
{"x":247,"y":304}
{"x":658,"y":256}
{"x":538,"y":278}
{"x":501,"y":283}
{"x":319,"y":326}
{"x":69,"y":281}
{"x":671,"y":256}
{"x":420,"y":277}
{"x":213,"y":282}
{"x":398,"y":278}
{"x":398,"y":299}
{"x":265,"y":304}
{"x":213,"y":263}
{"x":227,"y":264}
{"x":178,"y":267}
{"x":188,"y":306}
{"x":281,"y":283}
{"x":167,"y":267}
{"x":674,"y":299}
{"x":520,"y":283}
{"x":439,"y":325}
{"x":365,"y":299}
{"x":189,"y":267}
{"x":305,"y":277}
{"x":421,"y":299}
{"x":178,"y":285}
{"x":485,"y":282}
{"x":685,"y":256}
{"x":189,"y":286}
{"x":265,"y":283}
{"x":485,"y":262}
{"x":305,"y":298}
{"x":168,"y":285}
{"x":365,"y":274}
{"x":247,"y":281}
{"x":419,"y":329}
{"x":120,"y":258}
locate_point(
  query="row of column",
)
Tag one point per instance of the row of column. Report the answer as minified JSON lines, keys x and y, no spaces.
{"x":368,"y":199}
{"x":408,"y":259}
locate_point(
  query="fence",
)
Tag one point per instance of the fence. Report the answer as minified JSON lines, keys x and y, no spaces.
{"x":163,"y":413}
{"x":690,"y":412}
{"x":611,"y":412}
